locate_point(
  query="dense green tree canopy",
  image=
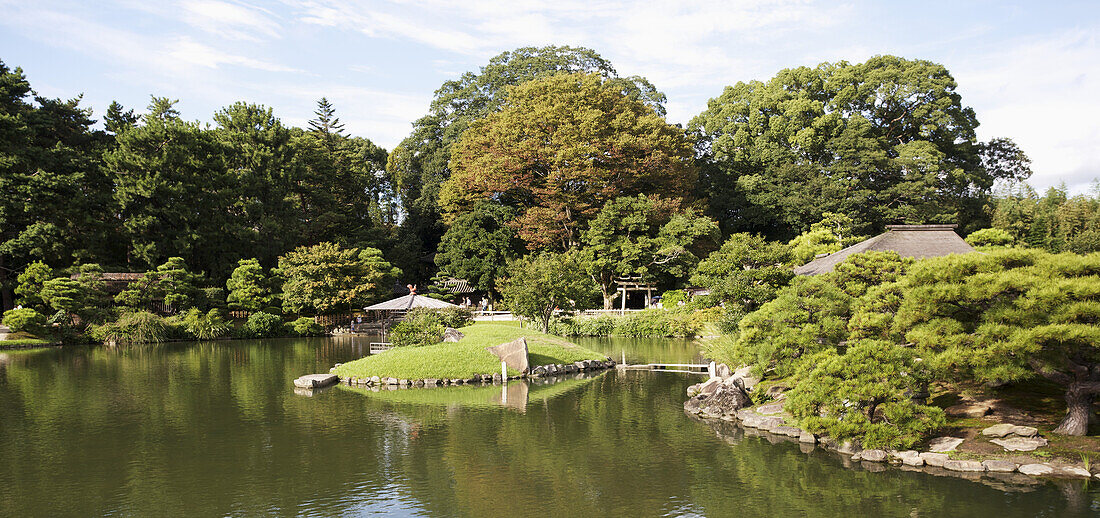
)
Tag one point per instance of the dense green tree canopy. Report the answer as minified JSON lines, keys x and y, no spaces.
{"x":885,"y":141}
{"x":559,"y":149}
{"x":539,"y":284}
{"x":478,"y":246}
{"x":421,"y":163}
{"x":1005,"y":315}
{"x":649,"y":238}
{"x":745,"y":272}
{"x":249,"y":287}
{"x":326,"y":277}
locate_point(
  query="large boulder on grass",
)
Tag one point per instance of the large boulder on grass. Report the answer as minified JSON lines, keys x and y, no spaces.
{"x":452,"y":335}
{"x":513,"y":354}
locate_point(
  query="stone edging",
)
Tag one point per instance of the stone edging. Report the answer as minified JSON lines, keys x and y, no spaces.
{"x":537,"y":372}
{"x":718,"y":399}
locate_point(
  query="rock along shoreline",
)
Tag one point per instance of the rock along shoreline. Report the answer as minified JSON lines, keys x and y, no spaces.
{"x":724,"y":399}
{"x":478,"y":379}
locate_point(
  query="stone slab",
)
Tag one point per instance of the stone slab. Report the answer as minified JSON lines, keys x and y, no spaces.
{"x":311,"y":381}
{"x":1020,"y":443}
{"x":513,"y":354}
{"x":944,"y":444}
{"x":999,"y":430}
{"x":874,"y":455}
{"x":1074,"y":471}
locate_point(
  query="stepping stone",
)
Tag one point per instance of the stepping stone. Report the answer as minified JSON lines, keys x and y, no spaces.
{"x":807,"y":438}
{"x":1020,"y":443}
{"x":1036,"y":469}
{"x":769,"y":409}
{"x":311,"y":381}
{"x":944,"y":444}
{"x":1025,"y":431}
{"x":999,"y":430}
{"x":789,"y":431}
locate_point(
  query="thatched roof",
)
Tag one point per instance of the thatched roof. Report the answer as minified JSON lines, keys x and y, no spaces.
{"x":917,"y":241}
{"x":408,"y":302}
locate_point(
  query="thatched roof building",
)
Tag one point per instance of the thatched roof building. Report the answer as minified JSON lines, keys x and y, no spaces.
{"x":408,"y":302}
{"x":917,"y":241}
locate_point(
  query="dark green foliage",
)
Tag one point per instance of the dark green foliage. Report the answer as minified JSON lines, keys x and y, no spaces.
{"x":866,"y":393}
{"x":421,"y":326}
{"x":133,"y":328}
{"x":306,"y":326}
{"x":478,"y":246}
{"x":746,"y":272}
{"x":327,"y":278}
{"x":809,"y":316}
{"x":649,"y":238}
{"x":648,"y":323}
{"x":537,"y":285}
{"x":30,"y":282}
{"x":24,"y":319}
{"x":593,"y":326}
{"x":884,"y":141}
{"x":455,"y":317}
{"x":862,"y":271}
{"x":249,"y":288}
{"x":205,"y":326}
{"x":264,"y":325}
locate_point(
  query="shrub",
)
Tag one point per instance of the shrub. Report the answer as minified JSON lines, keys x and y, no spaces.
{"x":420,"y":327}
{"x":672,"y":298}
{"x":306,"y":326}
{"x":990,"y":237}
{"x":25,"y":319}
{"x":133,"y":328}
{"x":456,"y":317}
{"x":871,"y":392}
{"x":264,"y":325}
{"x":206,"y":326}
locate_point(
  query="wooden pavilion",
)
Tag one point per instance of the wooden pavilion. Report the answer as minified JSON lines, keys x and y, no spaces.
{"x":916,"y":241}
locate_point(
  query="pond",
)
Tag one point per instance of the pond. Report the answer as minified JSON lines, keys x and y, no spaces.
{"x":217,"y":429}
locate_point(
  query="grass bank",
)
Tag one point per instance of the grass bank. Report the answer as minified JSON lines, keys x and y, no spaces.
{"x":466,"y":357}
{"x":19,"y":343}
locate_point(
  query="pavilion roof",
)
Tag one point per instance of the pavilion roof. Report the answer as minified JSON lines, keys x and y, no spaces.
{"x":916,"y":241}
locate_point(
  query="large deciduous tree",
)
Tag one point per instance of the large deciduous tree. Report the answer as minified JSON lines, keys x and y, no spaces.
{"x":420,"y":164}
{"x":560,"y":148}
{"x":886,"y":141}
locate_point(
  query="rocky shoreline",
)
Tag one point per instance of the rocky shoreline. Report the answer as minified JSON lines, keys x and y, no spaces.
{"x":725,"y":398}
{"x":480,"y":379}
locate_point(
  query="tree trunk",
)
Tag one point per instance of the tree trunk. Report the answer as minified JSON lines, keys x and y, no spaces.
{"x":5,"y":290}
{"x":1078,"y":407}
{"x":608,"y":299}
{"x":546,"y":323}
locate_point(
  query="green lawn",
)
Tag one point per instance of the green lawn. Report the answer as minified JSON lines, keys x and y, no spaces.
{"x":466,"y":357}
{"x":23,"y":342}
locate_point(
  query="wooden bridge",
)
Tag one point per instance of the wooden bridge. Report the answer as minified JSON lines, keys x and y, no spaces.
{"x":688,"y":368}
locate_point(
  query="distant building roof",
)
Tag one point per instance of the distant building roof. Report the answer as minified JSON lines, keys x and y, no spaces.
{"x":916,"y":241}
{"x":408,"y":302}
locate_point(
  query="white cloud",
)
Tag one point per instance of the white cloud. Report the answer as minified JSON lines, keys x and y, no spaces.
{"x":230,"y":20}
{"x":1041,"y":92}
{"x":187,"y":51}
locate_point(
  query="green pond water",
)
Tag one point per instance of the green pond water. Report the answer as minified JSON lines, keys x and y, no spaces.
{"x":216,"y":429}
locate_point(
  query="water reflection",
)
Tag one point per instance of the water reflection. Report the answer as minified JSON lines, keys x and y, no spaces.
{"x":216,"y":429}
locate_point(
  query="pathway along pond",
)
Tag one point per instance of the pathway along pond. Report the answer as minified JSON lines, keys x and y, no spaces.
{"x":216,"y":429}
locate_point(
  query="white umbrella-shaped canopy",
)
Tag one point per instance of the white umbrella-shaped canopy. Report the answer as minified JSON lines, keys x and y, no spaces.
{"x":408,"y":302}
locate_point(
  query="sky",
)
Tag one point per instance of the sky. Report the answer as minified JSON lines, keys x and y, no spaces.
{"x":1031,"y":70}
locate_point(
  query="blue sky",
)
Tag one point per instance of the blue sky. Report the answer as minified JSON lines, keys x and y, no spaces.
{"x":1029,"y":69}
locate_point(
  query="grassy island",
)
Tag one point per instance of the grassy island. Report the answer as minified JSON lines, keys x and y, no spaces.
{"x":466,"y":357}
